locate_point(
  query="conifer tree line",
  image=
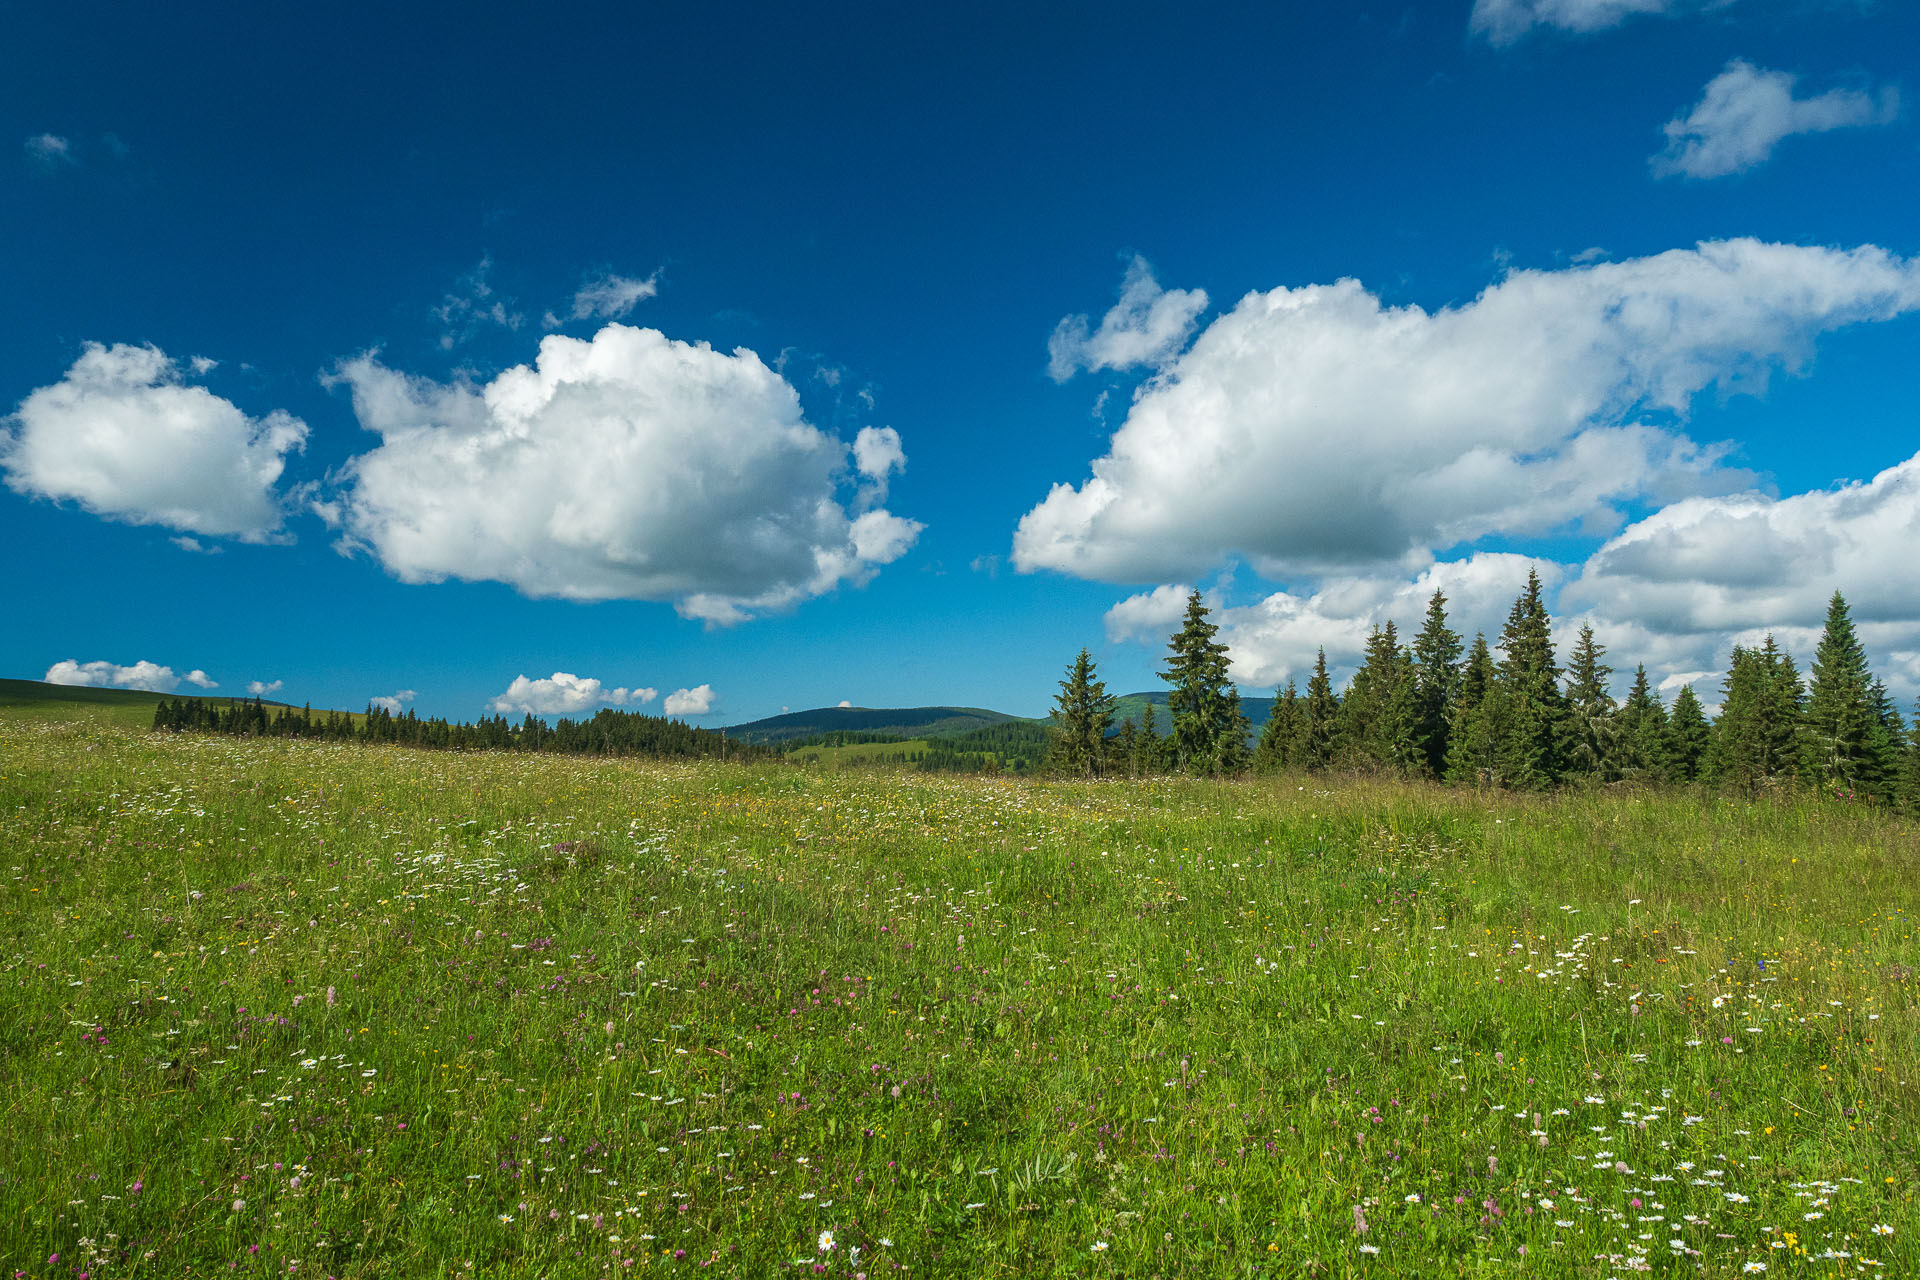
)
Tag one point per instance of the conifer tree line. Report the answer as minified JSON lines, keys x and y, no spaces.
{"x":1509,"y":714}
{"x":608,"y":733}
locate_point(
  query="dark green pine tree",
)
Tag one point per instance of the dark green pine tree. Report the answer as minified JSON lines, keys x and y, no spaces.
{"x":1533,"y":712}
{"x":1209,"y":730}
{"x":1319,"y":716}
{"x":1436,"y":666}
{"x":1688,"y":737}
{"x":1280,"y":733}
{"x":1886,"y":746}
{"x":1908,"y":795}
{"x":1473,"y":732}
{"x":1836,"y":745}
{"x":1152,"y":748}
{"x":1375,"y":729}
{"x":1082,"y":714}
{"x":1753,"y":741}
{"x":1640,"y":732}
{"x":1590,"y":747}
{"x":1126,"y":748}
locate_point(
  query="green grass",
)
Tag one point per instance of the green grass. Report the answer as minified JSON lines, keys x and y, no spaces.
{"x":856,"y":754}
{"x":272,"y":1007}
{"x":31,"y":700}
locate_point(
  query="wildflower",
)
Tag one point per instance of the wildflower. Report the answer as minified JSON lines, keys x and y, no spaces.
{"x":1099,"y":1246}
{"x":1414,"y":1198}
{"x":238,"y":1205}
{"x":825,"y":1244}
{"x":1882,"y":1229}
{"x":1369,"y":1248}
{"x":1752,"y":1267}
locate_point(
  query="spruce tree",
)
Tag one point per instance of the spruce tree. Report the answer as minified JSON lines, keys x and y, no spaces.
{"x":1318,"y":718}
{"x":1886,"y":746}
{"x":1533,"y":712}
{"x":1081,"y":717}
{"x":1436,"y":663}
{"x":1752,"y":745}
{"x":1126,"y":748}
{"x":1152,"y":747}
{"x":1209,"y":730}
{"x":1473,"y":731}
{"x":1589,"y":747}
{"x":1279,"y":734}
{"x":1640,"y":732}
{"x":1688,"y":735}
{"x":1376,"y":724}
{"x":1836,"y":748}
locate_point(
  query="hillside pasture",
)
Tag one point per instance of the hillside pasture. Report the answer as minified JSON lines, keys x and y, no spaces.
{"x":295,"y":1008}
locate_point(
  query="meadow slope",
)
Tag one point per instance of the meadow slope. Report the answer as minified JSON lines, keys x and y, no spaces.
{"x":288,"y":1008}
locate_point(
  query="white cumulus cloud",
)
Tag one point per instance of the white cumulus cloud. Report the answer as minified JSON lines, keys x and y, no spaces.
{"x":394,"y":702}
{"x":200,"y":679}
{"x":1275,"y":638}
{"x":611,"y":297}
{"x":1505,"y":21}
{"x":1748,"y":561}
{"x":149,"y":676}
{"x":630,"y":466}
{"x":1315,"y":429}
{"x":1146,"y":326}
{"x":124,"y":437}
{"x":696,"y":701}
{"x":564,"y":693}
{"x":877,"y":455}
{"x":1745,"y":111}
{"x":1149,"y":617}
{"x":261,"y":688}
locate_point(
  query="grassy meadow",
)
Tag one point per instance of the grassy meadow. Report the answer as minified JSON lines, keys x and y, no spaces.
{"x":287,"y":1008}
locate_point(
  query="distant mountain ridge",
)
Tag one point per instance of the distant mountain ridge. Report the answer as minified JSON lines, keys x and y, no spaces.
{"x":908,"y":722}
{"x":951,"y":722}
{"x":1132,"y":706}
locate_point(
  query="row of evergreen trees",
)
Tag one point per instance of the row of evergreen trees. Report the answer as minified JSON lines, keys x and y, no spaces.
{"x":608,"y":733}
{"x":1510,"y":715}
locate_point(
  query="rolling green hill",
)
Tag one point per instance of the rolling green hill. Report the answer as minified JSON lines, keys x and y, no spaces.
{"x":906,"y":722}
{"x":130,"y":707}
{"x":1132,"y":706}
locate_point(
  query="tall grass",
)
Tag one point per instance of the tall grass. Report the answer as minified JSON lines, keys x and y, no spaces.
{"x":290,"y":1008}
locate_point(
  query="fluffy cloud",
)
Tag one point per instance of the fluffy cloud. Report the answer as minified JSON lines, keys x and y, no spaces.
{"x":50,"y":149}
{"x":610,"y":297}
{"x":395,"y":701}
{"x":876,"y":456}
{"x":1315,"y":429}
{"x":1745,"y":111}
{"x":111,"y":675}
{"x":200,"y":679}
{"x":1750,"y":562}
{"x":563,"y":694}
{"x":1505,"y":21}
{"x":1149,"y":617}
{"x":631,"y":466}
{"x":1275,"y":639}
{"x":124,"y":437}
{"x":261,"y":688}
{"x":696,"y":701}
{"x":1675,"y":590}
{"x":1145,"y":327}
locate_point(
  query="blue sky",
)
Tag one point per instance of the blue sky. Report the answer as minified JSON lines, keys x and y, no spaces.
{"x":728,"y":359}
